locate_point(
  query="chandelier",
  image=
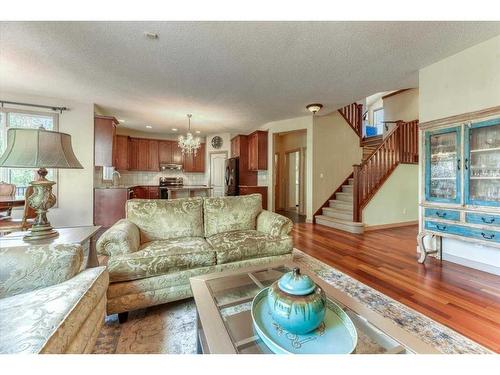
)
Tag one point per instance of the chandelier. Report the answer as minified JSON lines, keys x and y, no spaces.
{"x":189,"y":144}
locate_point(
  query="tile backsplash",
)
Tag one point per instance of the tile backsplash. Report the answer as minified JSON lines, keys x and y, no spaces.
{"x":150,"y":178}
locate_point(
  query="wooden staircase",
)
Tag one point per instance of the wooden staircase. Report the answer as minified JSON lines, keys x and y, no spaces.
{"x":338,"y":212}
{"x":381,"y":156}
{"x":370,"y":145}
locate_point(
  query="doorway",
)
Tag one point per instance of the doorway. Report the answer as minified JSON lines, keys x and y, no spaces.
{"x":289,"y":174}
{"x":217,"y":171}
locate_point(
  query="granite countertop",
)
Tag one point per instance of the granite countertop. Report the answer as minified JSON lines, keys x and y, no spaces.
{"x":188,"y":187}
{"x":124,"y":186}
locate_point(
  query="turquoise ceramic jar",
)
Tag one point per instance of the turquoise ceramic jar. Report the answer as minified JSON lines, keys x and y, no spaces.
{"x":297,"y":304}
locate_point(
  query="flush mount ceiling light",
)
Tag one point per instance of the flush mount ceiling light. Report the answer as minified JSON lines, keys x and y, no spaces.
{"x":197,"y":132}
{"x":121,"y":120}
{"x":315,"y":107}
{"x":174,"y":129}
{"x":149,"y":127}
{"x":188,"y":143}
{"x":151,"y":35}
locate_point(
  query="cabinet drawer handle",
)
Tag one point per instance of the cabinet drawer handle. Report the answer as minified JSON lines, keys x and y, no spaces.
{"x":441,"y":227}
{"x":440,"y":214}
{"x":486,"y":221}
{"x":466,"y":163}
{"x":488,"y":236}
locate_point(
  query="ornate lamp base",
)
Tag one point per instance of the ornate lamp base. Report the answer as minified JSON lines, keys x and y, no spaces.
{"x":41,"y":200}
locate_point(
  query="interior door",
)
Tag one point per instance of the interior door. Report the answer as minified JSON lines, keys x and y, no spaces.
{"x":217,"y":173}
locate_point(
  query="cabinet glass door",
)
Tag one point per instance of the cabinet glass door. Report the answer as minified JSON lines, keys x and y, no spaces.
{"x":483,"y":163}
{"x":443,"y":166}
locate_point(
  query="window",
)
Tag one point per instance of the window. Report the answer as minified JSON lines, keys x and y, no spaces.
{"x":14,"y":118}
{"x":378,"y":120}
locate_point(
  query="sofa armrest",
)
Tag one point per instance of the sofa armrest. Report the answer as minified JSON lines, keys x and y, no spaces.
{"x":123,"y":237}
{"x":27,"y":268}
{"x":274,"y":224}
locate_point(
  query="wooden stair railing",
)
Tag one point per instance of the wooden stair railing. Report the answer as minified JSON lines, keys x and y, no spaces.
{"x":353,"y":114}
{"x":399,"y":146}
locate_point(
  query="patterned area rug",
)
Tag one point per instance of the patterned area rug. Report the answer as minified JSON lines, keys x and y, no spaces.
{"x":171,"y":328}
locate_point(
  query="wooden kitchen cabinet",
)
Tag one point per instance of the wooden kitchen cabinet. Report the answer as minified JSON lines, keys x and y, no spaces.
{"x":257,"y":151}
{"x":195,"y":163}
{"x":145,"y":192}
{"x":239,"y":149}
{"x":109,"y":206}
{"x":153,"y":164}
{"x":165,"y":152}
{"x":153,"y":192}
{"x":121,"y":152}
{"x":143,"y":154}
{"x":235,"y":146}
{"x":247,"y":190}
{"x":104,"y":140}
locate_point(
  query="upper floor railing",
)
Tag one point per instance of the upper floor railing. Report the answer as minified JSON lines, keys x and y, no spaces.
{"x":353,"y":114}
{"x":399,"y":146}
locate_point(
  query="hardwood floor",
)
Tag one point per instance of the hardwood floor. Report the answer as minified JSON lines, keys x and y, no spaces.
{"x":459,"y":297}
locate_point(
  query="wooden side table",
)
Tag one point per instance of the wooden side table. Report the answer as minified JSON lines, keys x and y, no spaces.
{"x":69,"y":235}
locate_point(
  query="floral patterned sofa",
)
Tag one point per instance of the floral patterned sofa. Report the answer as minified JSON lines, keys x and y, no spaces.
{"x":48,"y":304}
{"x":162,"y":243}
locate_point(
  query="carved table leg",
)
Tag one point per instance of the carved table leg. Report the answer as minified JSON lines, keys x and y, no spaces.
{"x":421,"y":246}
{"x":423,"y":251}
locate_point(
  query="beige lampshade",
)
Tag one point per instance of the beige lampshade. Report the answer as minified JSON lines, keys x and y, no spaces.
{"x":38,"y":148}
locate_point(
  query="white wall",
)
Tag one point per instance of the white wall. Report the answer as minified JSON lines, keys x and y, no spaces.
{"x":402,"y":106}
{"x":298,"y":123}
{"x":336,"y":149}
{"x":397,"y":199}
{"x":465,"y":82}
{"x":75,"y":187}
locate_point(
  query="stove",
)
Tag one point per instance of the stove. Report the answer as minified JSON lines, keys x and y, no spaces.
{"x":166,"y":182}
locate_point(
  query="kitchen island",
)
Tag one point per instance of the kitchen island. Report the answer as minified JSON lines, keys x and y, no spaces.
{"x":188,"y":191}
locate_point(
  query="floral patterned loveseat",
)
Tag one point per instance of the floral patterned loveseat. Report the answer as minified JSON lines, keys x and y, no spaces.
{"x":162,"y":243}
{"x":48,"y":304}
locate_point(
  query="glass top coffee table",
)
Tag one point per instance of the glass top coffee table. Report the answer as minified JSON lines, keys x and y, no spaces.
{"x":223,"y":302}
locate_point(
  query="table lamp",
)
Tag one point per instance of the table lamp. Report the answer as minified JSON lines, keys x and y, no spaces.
{"x":39,"y":148}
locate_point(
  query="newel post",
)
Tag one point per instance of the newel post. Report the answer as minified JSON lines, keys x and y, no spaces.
{"x":359,"y":108}
{"x":357,"y":189}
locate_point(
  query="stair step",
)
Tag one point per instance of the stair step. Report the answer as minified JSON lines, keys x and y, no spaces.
{"x":346,"y":197}
{"x":347,"y":189}
{"x":337,"y":214}
{"x":351,"y":181}
{"x":340,"y":205}
{"x":348,"y":226}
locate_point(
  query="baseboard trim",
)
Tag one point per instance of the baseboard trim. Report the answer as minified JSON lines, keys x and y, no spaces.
{"x":472,"y":264}
{"x":392,"y":225}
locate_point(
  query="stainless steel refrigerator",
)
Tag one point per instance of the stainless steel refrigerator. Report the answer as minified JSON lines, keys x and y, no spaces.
{"x":232,"y":176}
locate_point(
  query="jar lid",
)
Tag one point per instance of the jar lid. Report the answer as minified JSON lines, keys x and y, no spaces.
{"x":296,"y":284}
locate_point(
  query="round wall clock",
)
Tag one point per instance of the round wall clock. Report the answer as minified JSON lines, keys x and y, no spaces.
{"x":216,"y":142}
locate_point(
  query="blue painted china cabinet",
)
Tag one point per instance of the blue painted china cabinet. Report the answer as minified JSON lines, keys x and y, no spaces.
{"x":460,"y":194}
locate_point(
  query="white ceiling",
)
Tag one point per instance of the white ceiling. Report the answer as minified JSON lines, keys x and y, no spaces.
{"x":232,"y":76}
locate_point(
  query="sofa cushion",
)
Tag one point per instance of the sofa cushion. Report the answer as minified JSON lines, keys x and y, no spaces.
{"x":224,"y":214}
{"x":27,"y":268}
{"x":165,"y":219}
{"x":160,"y":257}
{"x":247,"y":244}
{"x":49,"y":320}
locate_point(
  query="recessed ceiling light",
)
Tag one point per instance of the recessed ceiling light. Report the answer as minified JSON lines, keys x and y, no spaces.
{"x":174,"y":129}
{"x":149,"y":127}
{"x":198,"y":132}
{"x":151,"y":35}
